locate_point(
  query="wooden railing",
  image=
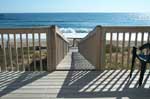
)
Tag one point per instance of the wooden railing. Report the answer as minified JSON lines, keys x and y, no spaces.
{"x":31,"y":49}
{"x":109,"y":47}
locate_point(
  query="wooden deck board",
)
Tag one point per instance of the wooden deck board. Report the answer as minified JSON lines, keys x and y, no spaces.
{"x":74,"y":61}
{"x":108,"y":84}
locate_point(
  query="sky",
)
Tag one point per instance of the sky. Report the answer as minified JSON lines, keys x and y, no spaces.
{"x":30,"y":6}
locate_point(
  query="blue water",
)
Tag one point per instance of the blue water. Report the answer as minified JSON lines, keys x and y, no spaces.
{"x":74,"y":22}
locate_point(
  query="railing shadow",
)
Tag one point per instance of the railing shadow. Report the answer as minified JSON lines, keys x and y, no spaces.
{"x":108,"y":83}
{"x":80,"y":63}
{"x":11,"y":81}
{"x":38,"y":68}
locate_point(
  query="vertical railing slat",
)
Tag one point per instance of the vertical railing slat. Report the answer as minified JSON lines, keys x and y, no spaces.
{"x":123,"y":45}
{"x":117,"y":43}
{"x":48,"y":51}
{"x":142,"y":38}
{"x":16,"y":51}
{"x":4,"y":53}
{"x":148,"y":37}
{"x":136,"y":37}
{"x":28,"y":57}
{"x":128,"y":58}
{"x":22,"y":52}
{"x":10,"y":52}
{"x":41,"y":68}
{"x":110,"y":49}
{"x":33,"y":41}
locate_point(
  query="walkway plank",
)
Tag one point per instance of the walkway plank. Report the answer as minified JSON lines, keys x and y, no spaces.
{"x":74,"y":61}
{"x":108,"y":84}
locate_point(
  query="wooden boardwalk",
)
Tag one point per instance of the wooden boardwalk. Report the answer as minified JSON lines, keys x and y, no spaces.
{"x":74,"y":61}
{"x":108,"y":84}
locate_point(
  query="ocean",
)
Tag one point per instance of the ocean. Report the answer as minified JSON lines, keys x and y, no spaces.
{"x":73,"y":24}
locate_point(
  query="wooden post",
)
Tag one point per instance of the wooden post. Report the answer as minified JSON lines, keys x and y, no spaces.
{"x":51,"y":48}
{"x":4,"y":68}
{"x":100,"y":48}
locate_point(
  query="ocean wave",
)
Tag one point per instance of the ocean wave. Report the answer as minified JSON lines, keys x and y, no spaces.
{"x":75,"y":30}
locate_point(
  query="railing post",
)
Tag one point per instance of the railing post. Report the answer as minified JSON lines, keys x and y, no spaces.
{"x":51,"y":48}
{"x":100,"y":65}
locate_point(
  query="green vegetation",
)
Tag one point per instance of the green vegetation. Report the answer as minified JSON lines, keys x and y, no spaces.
{"x":25,"y":52}
{"x":116,"y":61}
{"x":114,"y":48}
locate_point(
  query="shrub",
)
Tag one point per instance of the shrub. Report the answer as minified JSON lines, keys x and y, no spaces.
{"x":114,"y":48}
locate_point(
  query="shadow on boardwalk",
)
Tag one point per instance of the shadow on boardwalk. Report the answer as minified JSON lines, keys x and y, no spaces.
{"x":106,"y":84}
{"x":80,"y":63}
{"x":74,"y":61}
{"x":11,"y":81}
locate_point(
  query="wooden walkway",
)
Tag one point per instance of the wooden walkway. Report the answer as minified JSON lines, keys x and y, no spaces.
{"x":108,"y":84}
{"x":74,"y":61}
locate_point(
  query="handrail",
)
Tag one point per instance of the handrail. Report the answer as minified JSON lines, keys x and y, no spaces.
{"x":91,"y":33}
{"x":20,"y":53}
{"x":24,"y":30}
{"x":126,"y":28}
{"x":61,"y":35}
{"x":111,"y":45}
{"x":90,"y":46}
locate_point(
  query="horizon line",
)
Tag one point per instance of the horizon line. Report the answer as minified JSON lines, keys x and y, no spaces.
{"x":75,"y":12}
